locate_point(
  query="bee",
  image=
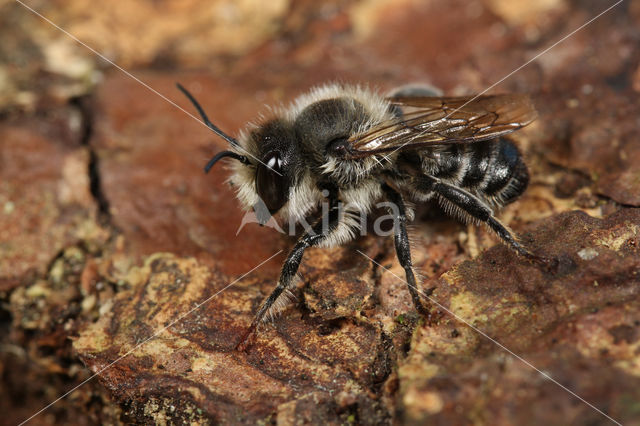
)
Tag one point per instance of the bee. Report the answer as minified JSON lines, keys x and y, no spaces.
{"x":348,"y":145}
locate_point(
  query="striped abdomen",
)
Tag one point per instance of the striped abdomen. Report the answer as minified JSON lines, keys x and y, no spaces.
{"x":492,"y":170}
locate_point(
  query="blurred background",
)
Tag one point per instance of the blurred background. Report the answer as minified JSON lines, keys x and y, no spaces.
{"x":99,"y":166}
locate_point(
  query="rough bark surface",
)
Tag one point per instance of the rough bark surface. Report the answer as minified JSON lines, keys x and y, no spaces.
{"x":118,"y":256}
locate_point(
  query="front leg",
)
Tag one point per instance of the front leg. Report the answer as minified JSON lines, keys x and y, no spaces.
{"x":403,"y":248}
{"x":318,"y":233}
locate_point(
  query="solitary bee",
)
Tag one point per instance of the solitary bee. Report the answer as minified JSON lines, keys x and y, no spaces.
{"x":347,"y":145}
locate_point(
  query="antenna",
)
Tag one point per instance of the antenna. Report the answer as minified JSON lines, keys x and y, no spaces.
{"x":206,"y":120}
{"x":223,"y":154}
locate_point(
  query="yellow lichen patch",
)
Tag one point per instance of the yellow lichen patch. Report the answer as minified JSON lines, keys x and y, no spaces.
{"x":73,"y":187}
{"x":615,"y":240}
{"x":452,"y":277}
{"x":160,"y":289}
{"x":519,"y":13}
{"x":159,"y":346}
{"x":39,"y":289}
{"x":539,"y":202}
{"x":469,"y":307}
{"x":421,"y":402}
{"x":227,"y":375}
{"x":93,"y":343}
{"x":477,"y":311}
{"x":89,"y":230}
{"x":251,"y":21}
{"x":631,"y":366}
{"x":366,"y":14}
{"x":438,"y":339}
{"x":595,"y":337}
{"x":136,"y":275}
{"x":418,"y":369}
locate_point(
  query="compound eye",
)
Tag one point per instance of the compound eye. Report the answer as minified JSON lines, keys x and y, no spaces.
{"x":271,"y":183}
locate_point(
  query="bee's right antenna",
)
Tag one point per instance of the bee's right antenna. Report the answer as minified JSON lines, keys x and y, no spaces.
{"x":223,"y":154}
{"x":206,"y":120}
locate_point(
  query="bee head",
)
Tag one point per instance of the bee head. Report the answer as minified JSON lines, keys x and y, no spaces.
{"x":275,"y":171}
{"x":272,"y":152}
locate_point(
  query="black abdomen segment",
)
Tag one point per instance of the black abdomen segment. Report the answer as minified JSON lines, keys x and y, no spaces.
{"x":493,"y":170}
{"x":507,"y":175}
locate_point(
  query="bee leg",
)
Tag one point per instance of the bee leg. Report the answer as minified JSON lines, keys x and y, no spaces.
{"x":403,"y":248}
{"x":477,"y":209}
{"x":318,"y":233}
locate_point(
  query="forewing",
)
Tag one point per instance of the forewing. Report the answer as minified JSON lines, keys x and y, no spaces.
{"x":428,"y":121}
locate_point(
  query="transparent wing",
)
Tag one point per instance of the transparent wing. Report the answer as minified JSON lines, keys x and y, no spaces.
{"x":427,"y":121}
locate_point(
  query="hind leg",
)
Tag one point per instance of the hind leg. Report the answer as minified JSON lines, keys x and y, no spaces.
{"x":403,"y":248}
{"x":477,"y":209}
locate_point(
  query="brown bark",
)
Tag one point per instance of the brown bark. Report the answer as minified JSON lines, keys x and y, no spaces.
{"x":110,"y":232}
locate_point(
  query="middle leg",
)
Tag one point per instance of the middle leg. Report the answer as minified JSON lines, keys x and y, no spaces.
{"x":403,"y":248}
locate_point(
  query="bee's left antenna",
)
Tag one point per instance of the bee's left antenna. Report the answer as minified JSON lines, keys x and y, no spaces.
{"x":206,"y":120}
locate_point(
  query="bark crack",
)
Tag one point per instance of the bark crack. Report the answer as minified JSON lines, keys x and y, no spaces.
{"x":83,"y":104}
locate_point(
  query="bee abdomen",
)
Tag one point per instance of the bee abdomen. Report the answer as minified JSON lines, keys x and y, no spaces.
{"x":504,"y":174}
{"x":493,"y":170}
{"x":448,"y":163}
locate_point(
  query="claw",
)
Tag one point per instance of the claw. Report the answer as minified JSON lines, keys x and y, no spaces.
{"x":548,"y":263}
{"x":247,"y":340}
